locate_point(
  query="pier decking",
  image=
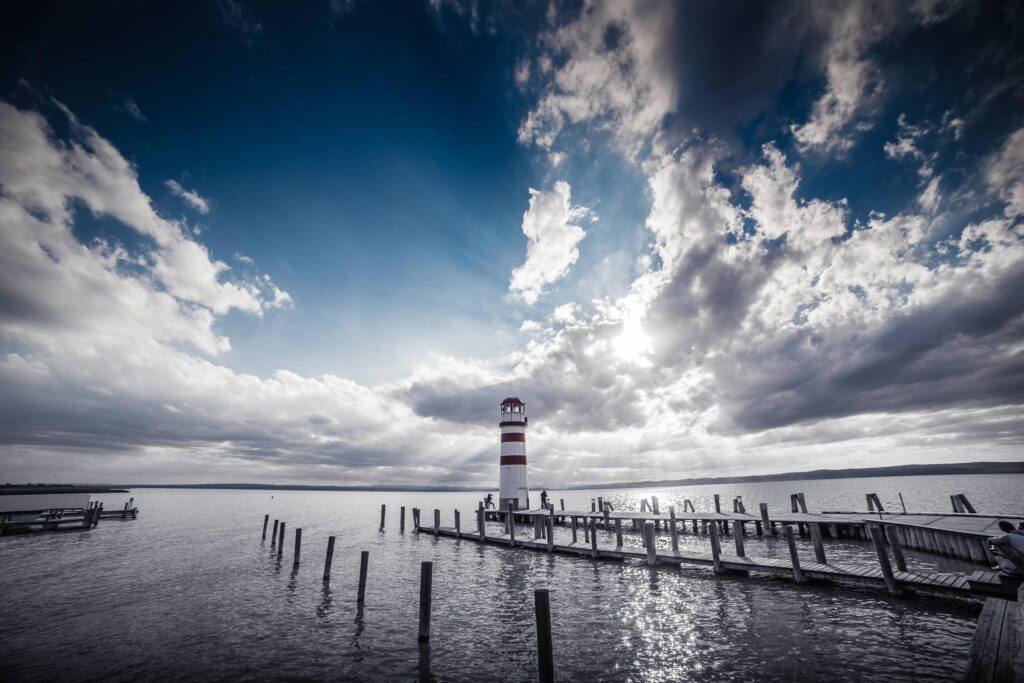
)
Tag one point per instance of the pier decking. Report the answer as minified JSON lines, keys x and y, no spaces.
{"x":69,"y":519}
{"x":997,"y":651}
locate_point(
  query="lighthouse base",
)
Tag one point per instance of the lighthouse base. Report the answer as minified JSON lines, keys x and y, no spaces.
{"x":514,"y":502}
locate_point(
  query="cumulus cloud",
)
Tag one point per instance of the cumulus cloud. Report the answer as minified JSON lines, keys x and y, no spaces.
{"x":1004,"y":174}
{"x":190,"y":197}
{"x":552,"y":241}
{"x":613,"y":72}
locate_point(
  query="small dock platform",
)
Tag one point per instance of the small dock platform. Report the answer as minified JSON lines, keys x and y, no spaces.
{"x":63,"y":519}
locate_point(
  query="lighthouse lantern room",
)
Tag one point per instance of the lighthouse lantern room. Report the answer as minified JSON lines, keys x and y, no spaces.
{"x":512,"y":487}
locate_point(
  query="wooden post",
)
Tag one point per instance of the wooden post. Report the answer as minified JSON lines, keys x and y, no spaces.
{"x":652,"y":546}
{"x":695,"y":526}
{"x":458,"y":525}
{"x":437,"y":522}
{"x":819,"y":549}
{"x":883,"y":559}
{"x":716,"y":549}
{"x":562,"y":501}
{"x":266,"y":520}
{"x":600,"y":503}
{"x":298,"y":546}
{"x":737,"y":531}
{"x":955,"y":502}
{"x":364,"y":562}
{"x":426,"y":581}
{"x":382,"y":507}
{"x":787,"y":532}
{"x":416,"y":520}
{"x":718,"y":504}
{"x":511,"y":526}
{"x":329,"y":559}
{"x":273,"y":535}
{"x":573,"y":518}
{"x":481,"y":521}
{"x":401,"y":519}
{"x":618,"y":533}
{"x":593,"y":537}
{"x":654,"y":506}
{"x":551,"y":532}
{"x":280,"y":540}
{"x":897,"y":551}
{"x":545,"y":656}
{"x":586,"y":530}
{"x":672,"y":528}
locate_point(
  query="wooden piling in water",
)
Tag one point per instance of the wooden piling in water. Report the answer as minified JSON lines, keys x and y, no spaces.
{"x":593,"y":537}
{"x":716,"y":549}
{"x":787,"y":532}
{"x":280,"y":540}
{"x":897,"y":551}
{"x":573,"y":522}
{"x":298,"y":546}
{"x":458,"y":525}
{"x":562,"y":502}
{"x":382,"y":508}
{"x":437,"y":522}
{"x":266,"y":520}
{"x":891,"y":584}
{"x":618,"y":533}
{"x":401,"y":519}
{"x":364,"y":563}
{"x":511,"y":527}
{"x":545,"y":653}
{"x":652,"y":546}
{"x":481,"y":521}
{"x":426,"y":585}
{"x":768,"y":526}
{"x":819,"y":548}
{"x":737,"y":531}
{"x":329,"y":559}
{"x":273,"y":535}
{"x":551,"y":533}
{"x":672,"y":528}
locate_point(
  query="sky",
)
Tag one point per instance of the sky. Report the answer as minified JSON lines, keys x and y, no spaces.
{"x":318,"y":243}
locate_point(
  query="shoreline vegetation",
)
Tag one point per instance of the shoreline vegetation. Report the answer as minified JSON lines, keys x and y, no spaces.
{"x":867,"y":472}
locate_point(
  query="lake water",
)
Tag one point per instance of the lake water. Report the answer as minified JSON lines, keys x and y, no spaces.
{"x":189,"y":591}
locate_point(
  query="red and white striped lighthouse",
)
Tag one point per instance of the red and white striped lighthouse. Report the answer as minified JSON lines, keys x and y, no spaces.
{"x":512,"y":484}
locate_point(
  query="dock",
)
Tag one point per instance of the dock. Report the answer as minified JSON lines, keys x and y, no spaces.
{"x":891,"y":574}
{"x":997,"y":651}
{"x":63,"y":519}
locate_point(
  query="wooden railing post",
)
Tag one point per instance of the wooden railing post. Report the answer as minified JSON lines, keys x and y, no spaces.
{"x":737,"y":531}
{"x":672,"y":528}
{"x":718,"y":504}
{"x":883,"y":560}
{"x":787,"y":532}
{"x":652,"y":546}
{"x":819,"y":549}
{"x":897,"y":549}
{"x":716,"y":549}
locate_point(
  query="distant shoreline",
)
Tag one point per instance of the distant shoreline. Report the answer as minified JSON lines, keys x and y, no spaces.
{"x":893,"y":471}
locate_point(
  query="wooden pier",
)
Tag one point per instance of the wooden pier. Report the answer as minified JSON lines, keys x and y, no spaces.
{"x":997,"y":651}
{"x":65,"y":519}
{"x":891,"y":574}
{"x":962,"y":535}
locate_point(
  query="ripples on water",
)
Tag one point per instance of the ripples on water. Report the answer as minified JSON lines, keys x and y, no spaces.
{"x":189,"y":591}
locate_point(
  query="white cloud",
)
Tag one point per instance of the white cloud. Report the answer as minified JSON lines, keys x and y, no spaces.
{"x":614,"y":71}
{"x":853,"y":80}
{"x":1004,"y":173}
{"x":552,"y":240}
{"x":191,"y":197}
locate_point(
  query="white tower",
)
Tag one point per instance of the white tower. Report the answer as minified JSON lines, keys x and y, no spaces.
{"x":512,"y":487}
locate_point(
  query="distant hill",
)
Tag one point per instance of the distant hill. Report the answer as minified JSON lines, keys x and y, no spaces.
{"x":893,"y":471}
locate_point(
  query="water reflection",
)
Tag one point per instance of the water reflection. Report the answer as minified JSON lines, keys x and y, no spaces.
{"x":423,"y":666}
{"x":323,"y":609}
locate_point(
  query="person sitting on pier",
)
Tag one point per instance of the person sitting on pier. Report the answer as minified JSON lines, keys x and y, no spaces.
{"x":1008,"y":549}
{"x":489,"y":501}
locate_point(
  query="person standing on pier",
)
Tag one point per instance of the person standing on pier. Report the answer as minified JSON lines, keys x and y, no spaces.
{"x":544,"y":499}
{"x":489,"y":501}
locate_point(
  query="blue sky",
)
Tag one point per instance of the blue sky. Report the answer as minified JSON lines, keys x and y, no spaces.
{"x":250,"y":241}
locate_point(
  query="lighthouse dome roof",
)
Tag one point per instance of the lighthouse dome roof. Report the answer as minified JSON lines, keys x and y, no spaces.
{"x":512,"y":400}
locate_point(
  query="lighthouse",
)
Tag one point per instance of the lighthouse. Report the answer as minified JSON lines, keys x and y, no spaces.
{"x":512,"y":487}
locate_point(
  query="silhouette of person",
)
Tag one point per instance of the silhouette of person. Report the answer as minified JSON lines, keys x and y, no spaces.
{"x":489,"y":501}
{"x":544,"y":499}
